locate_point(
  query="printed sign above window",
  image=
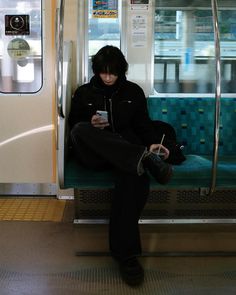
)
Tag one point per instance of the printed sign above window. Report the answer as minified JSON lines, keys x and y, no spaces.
{"x":105,"y":9}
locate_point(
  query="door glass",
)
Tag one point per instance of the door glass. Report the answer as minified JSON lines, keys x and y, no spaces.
{"x":20,"y":46}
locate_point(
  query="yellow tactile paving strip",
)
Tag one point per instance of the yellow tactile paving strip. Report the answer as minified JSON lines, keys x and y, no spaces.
{"x":31,"y":209}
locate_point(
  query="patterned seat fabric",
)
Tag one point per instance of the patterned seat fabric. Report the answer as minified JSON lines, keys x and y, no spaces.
{"x":193,"y":120}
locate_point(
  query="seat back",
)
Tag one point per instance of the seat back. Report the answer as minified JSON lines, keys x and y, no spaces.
{"x":193,"y":120}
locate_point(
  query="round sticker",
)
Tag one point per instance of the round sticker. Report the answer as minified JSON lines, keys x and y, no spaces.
{"x":17,"y":22}
{"x":18,"y":48}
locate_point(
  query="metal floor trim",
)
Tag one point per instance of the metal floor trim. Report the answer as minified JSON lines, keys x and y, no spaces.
{"x":162,"y":221}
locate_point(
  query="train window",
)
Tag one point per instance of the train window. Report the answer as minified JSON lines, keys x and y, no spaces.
{"x":21,"y":46}
{"x":103,"y":26}
{"x":184,"y":47}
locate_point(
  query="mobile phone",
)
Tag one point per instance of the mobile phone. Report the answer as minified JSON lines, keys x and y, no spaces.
{"x":103,"y":115}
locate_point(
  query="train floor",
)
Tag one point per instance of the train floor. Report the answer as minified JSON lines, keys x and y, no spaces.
{"x":44,"y":254}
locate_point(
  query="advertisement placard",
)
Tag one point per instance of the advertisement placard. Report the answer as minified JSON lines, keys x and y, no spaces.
{"x":105,"y":9}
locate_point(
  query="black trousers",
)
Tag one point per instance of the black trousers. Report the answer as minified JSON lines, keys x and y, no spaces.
{"x":100,"y":149}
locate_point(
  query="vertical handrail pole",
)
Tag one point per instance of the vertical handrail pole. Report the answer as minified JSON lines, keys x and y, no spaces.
{"x":59,"y":58}
{"x":217,"y":95}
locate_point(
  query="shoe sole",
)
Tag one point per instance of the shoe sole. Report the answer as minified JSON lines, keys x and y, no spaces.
{"x":134,"y":280}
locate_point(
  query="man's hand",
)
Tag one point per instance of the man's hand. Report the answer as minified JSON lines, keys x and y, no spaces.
{"x":159,"y":148}
{"x":98,"y":122}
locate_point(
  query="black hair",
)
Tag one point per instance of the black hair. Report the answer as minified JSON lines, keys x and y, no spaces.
{"x":109,"y":59}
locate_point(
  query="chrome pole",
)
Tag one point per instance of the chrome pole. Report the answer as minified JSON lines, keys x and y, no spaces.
{"x":59,"y":58}
{"x":217,"y":95}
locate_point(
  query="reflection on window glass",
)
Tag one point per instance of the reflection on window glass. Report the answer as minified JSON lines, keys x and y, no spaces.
{"x":102,"y":30}
{"x":20,"y":46}
{"x":184,"y":48}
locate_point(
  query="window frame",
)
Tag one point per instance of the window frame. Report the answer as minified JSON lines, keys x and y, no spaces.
{"x":30,"y":84}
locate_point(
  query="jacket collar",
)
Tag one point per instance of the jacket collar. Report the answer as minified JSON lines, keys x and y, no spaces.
{"x":97,"y":84}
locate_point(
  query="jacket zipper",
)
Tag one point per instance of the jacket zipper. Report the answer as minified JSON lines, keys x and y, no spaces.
{"x":105,"y":105}
{"x":110,"y":109}
{"x":112,"y":122}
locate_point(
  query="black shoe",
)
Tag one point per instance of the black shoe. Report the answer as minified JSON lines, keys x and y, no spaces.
{"x":160,"y":170}
{"x":131,"y":271}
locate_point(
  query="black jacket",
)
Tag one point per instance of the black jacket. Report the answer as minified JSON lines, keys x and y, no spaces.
{"x":126,"y":105}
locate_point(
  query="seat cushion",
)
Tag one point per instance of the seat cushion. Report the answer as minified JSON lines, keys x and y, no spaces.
{"x":195,"y":172}
{"x":79,"y":177}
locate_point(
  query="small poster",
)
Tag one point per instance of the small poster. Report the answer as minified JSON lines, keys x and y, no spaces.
{"x":139,"y":31}
{"x":105,"y":9}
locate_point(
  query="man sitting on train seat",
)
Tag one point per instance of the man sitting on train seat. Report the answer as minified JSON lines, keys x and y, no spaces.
{"x":111,"y":128}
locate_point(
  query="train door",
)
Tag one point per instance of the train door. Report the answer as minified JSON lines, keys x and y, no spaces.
{"x":27,"y":94}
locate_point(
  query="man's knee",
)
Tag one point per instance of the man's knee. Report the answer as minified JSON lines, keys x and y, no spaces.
{"x":80,"y":129}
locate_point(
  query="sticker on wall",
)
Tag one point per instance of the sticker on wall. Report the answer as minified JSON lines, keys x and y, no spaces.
{"x":105,"y":9}
{"x":17,"y":25}
{"x":18,"y":48}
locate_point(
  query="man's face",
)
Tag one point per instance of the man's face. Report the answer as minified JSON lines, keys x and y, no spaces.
{"x":108,"y":79}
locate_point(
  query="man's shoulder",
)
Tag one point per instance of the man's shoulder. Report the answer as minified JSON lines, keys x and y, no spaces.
{"x":82,"y":89}
{"x":134,"y":87}
{"x":132,"y":83}
{"x":83,"y":86}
